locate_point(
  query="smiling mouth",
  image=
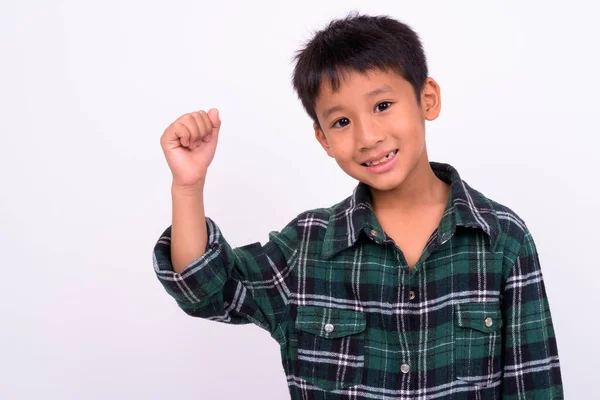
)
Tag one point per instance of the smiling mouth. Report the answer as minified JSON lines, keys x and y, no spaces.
{"x":381,"y":161}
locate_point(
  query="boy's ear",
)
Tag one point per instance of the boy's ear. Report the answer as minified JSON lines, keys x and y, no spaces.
{"x":431,"y":101}
{"x":322,"y":139}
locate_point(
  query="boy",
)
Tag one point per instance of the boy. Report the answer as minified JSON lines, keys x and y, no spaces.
{"x":416,"y":286}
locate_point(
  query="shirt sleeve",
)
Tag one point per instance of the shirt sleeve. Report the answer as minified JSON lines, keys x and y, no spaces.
{"x":531,"y":364}
{"x":249,"y":284}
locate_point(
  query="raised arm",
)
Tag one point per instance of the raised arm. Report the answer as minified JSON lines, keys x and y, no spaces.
{"x":193,"y":261}
{"x":189,"y":145}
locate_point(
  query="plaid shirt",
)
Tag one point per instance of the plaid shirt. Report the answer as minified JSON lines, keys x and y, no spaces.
{"x":471,"y":321}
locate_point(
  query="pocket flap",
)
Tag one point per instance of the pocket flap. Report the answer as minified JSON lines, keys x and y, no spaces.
{"x":484,"y":317}
{"x":328,"y":322}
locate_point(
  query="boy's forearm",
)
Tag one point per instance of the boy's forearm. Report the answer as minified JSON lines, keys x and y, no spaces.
{"x":188,"y":233}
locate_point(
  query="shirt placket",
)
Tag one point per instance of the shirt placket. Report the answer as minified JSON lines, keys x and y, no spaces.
{"x":406,"y":325}
{"x":411,"y":319}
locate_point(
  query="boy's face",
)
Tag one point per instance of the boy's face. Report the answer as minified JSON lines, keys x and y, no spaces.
{"x":374,"y":127}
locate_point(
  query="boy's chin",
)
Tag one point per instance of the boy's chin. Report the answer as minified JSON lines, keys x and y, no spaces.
{"x":382,"y":185}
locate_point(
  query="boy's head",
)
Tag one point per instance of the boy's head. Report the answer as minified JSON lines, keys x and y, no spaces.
{"x":363,"y":80}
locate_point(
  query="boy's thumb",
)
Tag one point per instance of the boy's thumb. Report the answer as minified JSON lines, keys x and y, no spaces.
{"x":213,"y":115}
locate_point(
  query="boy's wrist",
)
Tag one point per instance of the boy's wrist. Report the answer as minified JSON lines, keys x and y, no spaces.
{"x":188,"y":190}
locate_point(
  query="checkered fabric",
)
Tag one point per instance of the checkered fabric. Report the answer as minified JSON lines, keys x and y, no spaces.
{"x":470,"y":321}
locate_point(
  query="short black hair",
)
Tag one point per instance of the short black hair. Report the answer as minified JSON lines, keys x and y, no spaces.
{"x":358,"y":43}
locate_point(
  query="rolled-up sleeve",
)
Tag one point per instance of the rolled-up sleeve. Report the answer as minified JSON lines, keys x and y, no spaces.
{"x":249,"y":284}
{"x":531,"y":364}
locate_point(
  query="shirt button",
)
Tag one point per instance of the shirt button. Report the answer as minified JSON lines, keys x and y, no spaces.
{"x":411,"y":295}
{"x":374,"y":233}
{"x":404,"y":368}
{"x":489,"y":322}
{"x":328,"y":328}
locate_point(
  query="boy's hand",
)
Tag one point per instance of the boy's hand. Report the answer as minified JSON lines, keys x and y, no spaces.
{"x":189,"y":144}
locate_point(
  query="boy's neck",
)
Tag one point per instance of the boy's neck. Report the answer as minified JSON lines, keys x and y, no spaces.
{"x":422,"y":189}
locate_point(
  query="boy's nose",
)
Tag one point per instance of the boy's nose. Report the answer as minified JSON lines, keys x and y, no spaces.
{"x":367,"y":135}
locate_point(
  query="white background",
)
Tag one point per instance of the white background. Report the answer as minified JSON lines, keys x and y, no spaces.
{"x":87,"y":88}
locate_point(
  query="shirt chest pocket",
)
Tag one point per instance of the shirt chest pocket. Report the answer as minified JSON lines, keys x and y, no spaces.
{"x":478,"y":343}
{"x":331,"y":346}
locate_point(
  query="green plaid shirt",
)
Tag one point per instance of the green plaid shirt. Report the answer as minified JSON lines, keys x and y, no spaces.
{"x":471,"y":321}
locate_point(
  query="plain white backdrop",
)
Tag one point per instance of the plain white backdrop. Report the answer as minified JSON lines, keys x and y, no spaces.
{"x":87,"y":88}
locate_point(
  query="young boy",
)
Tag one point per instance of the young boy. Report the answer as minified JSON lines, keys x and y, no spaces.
{"x":416,"y":286}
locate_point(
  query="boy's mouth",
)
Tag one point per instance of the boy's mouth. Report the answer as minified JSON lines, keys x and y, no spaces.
{"x":382,"y":160}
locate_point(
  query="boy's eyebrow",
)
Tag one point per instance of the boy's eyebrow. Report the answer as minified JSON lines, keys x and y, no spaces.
{"x":374,"y":92}
{"x":379,"y":90}
{"x":330,"y":111}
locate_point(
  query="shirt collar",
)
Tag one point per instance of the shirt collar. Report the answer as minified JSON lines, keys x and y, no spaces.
{"x":466,"y":207}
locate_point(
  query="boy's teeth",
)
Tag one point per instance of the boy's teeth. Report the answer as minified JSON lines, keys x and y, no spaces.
{"x":384,"y":159}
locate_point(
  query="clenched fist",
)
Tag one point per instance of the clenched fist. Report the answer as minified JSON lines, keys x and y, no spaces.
{"x":189,"y":145}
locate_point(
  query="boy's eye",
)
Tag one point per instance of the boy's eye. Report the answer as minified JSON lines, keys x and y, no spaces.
{"x":340,"y":123}
{"x":383,"y":106}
